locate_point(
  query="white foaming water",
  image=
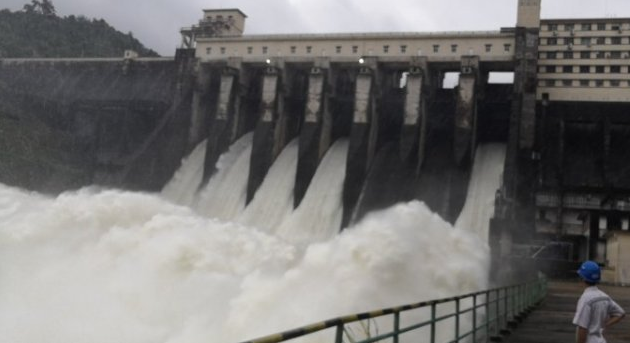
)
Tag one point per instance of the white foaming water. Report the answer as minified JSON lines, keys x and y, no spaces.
{"x":319,"y":215}
{"x":183,"y":186}
{"x":484,"y":182}
{"x":274,"y":199}
{"x":115,"y":266}
{"x":103,"y":266}
{"x":225,"y":194}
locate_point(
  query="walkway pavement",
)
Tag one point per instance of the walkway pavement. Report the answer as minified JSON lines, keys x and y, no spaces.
{"x":551,"y":321}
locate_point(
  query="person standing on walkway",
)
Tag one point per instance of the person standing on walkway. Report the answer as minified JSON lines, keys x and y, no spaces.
{"x":596,"y":311}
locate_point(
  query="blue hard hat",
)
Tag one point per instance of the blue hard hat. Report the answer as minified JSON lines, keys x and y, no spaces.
{"x":590,"y":272}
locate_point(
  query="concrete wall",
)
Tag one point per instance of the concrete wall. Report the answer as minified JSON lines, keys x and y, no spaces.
{"x":70,"y":123}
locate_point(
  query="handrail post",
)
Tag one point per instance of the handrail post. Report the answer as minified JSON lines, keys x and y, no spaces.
{"x":498,"y":312}
{"x":339,"y":333}
{"x":474,"y":322}
{"x":396,"y":325}
{"x":505,"y":308}
{"x":487,"y":314}
{"x":457,"y":320}
{"x":433,"y":313}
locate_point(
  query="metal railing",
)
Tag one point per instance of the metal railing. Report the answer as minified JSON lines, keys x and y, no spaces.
{"x":474,"y":317}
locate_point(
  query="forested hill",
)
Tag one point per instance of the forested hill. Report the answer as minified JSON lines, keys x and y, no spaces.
{"x":38,"y":32}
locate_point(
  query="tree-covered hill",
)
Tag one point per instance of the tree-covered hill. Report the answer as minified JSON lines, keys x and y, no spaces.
{"x":37,"y":31}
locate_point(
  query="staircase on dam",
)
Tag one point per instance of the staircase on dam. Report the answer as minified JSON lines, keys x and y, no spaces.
{"x":551,"y":321}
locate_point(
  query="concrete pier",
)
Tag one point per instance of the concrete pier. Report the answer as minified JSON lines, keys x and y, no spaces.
{"x":265,"y":147}
{"x":464,"y":139}
{"x":315,"y":134}
{"x":362,"y":141}
{"x":221,"y":133}
{"x":413,"y":132}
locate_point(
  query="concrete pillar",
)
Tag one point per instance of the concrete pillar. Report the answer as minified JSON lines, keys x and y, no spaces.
{"x":267,"y":143}
{"x":413,"y":132}
{"x":362,"y":143}
{"x":221,"y":133}
{"x":464,"y":139}
{"x":315,"y":134}
{"x":198,"y":119}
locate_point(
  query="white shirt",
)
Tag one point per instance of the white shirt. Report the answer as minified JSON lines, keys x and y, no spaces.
{"x":593,"y":310}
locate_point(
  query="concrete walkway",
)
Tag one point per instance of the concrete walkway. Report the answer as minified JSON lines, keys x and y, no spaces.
{"x":551,"y":321}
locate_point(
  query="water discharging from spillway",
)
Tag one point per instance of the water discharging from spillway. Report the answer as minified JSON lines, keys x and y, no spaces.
{"x":114,"y":266}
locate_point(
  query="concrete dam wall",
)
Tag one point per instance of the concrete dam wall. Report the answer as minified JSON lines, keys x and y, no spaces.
{"x":128,"y":122}
{"x":114,"y":122}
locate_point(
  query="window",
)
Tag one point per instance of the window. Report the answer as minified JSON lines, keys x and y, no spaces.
{"x":453,"y":47}
{"x":250,"y":50}
{"x":585,"y":69}
{"x":586,"y":27}
{"x":264,"y":50}
{"x":550,"y":83}
{"x":551,"y":55}
{"x":403,"y":49}
{"x":569,"y":27}
{"x":615,"y":27}
{"x":385,"y":49}
{"x":355,"y":49}
{"x":600,"y":54}
{"x":552,"y":41}
{"x":293,"y":49}
{"x":601,"y":26}
{"x":550,"y":69}
{"x":615,"y":54}
{"x":222,"y":50}
{"x":599,"y":83}
{"x":488,"y":47}
{"x":567,"y":54}
{"x":567,"y":69}
{"x":208,"y":51}
{"x":507,"y":47}
{"x":601,"y":40}
{"x":568,"y":41}
{"x":338,"y":49}
{"x":615,"y":69}
{"x":614,"y":83}
{"x":585,"y":40}
{"x":584,"y":83}
{"x":567,"y":83}
{"x":599,"y":69}
{"x":309,"y":49}
{"x":436,"y":48}
{"x":553,"y":27}
{"x":585,"y":54}
{"x":615,"y":40}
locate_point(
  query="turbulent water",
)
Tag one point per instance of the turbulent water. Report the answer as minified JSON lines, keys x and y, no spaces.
{"x":113,"y":266}
{"x":484,"y":182}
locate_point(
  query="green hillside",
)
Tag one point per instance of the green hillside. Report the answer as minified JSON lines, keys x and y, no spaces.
{"x":37,"y":31}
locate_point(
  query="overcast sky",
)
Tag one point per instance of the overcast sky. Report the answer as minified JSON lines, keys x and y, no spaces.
{"x":156,"y":23}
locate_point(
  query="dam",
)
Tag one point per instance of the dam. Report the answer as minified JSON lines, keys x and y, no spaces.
{"x":313,"y":167}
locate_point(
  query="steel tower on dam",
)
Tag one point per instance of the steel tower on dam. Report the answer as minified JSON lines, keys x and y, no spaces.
{"x":563,"y":119}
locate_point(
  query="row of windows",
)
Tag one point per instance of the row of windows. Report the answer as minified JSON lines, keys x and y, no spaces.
{"x":583,"y":83}
{"x":552,"y":55}
{"x":615,"y":69}
{"x":585,"y":27}
{"x":588,"y":41}
{"x":355,"y":49}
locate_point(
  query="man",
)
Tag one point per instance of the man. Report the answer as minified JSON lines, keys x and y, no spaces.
{"x":596,"y":311}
